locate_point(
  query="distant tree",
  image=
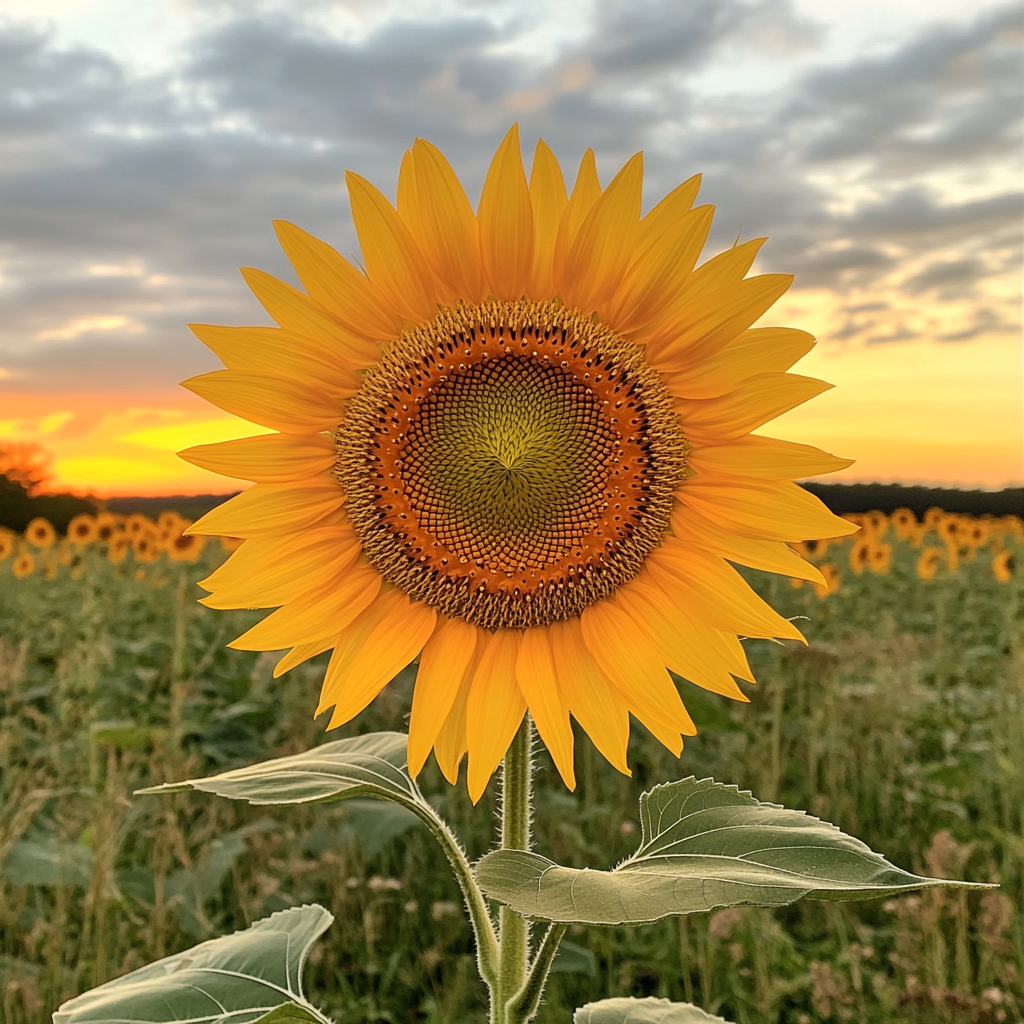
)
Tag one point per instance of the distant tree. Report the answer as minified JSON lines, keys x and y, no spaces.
{"x":25,"y":471}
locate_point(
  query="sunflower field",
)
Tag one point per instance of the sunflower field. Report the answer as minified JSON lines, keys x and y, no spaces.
{"x":901,"y":722}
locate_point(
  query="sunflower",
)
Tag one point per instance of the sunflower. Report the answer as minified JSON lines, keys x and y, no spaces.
{"x":185,"y":547}
{"x":118,"y":548}
{"x":82,"y":530}
{"x":860,"y":555}
{"x":138,"y":524}
{"x":146,"y":546}
{"x":8,"y":543}
{"x":520,"y":448}
{"x":880,"y":558}
{"x":832,"y":580}
{"x":23,"y":565}
{"x":904,"y":522}
{"x":40,"y":533}
{"x":928,"y":563}
{"x":108,"y":525}
{"x":1003,"y":566}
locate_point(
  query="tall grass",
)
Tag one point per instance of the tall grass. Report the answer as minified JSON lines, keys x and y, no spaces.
{"x":902,"y":722}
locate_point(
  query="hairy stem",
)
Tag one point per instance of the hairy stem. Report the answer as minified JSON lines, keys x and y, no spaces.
{"x":524,"y":1003}
{"x":483,"y":927}
{"x":516,"y":812}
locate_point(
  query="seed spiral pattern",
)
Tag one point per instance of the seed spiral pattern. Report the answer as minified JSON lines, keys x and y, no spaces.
{"x":510,"y":463}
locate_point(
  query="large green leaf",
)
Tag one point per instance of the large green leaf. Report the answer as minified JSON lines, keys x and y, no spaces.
{"x":255,"y":975}
{"x":643,"y":1011}
{"x":371,"y":765}
{"x":703,"y":846}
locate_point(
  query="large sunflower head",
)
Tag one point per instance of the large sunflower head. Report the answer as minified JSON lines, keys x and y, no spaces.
{"x":519,"y":448}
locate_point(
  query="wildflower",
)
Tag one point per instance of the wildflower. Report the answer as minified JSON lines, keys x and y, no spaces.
{"x":520,"y":447}
{"x":8,"y":544}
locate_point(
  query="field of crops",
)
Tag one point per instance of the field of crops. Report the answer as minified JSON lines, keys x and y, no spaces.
{"x":902,"y":722}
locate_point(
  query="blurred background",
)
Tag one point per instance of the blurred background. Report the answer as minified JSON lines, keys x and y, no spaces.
{"x":146,"y":148}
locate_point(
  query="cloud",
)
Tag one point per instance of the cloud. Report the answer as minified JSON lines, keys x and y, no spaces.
{"x":131,"y":200}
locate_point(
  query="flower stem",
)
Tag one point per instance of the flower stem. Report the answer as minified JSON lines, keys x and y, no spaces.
{"x":516,"y":813}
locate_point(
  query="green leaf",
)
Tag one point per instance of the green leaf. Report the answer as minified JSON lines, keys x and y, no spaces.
{"x":255,"y":975}
{"x":371,"y":765}
{"x":703,"y":846}
{"x":643,"y":1011}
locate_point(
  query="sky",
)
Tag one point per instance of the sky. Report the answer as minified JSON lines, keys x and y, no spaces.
{"x":145,"y":149}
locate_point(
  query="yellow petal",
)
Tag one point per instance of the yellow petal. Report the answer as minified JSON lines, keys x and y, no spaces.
{"x":604,"y":247}
{"x":270,"y":507}
{"x":585,"y":193}
{"x":711,"y":322}
{"x":757,"y":350}
{"x":766,"y":457}
{"x":711,"y":589}
{"x":366,"y":660}
{"x":283,"y":403}
{"x":341,"y":289}
{"x":683,"y":647}
{"x":535,"y":673}
{"x":442,"y":222}
{"x":590,"y":698}
{"x":494,"y":710}
{"x":768,"y":555}
{"x":394,"y":262}
{"x":763,"y":509}
{"x":506,"y":223}
{"x":634,"y":666}
{"x":297,"y":655}
{"x":266,"y":458}
{"x":272,"y":350}
{"x":444,"y":663}
{"x":756,"y":401}
{"x":451,"y":743}
{"x":653,"y":281}
{"x":318,"y":613}
{"x":548,"y":199}
{"x":299,"y":314}
{"x":715,"y":275}
{"x":266,"y":575}
{"x":667,"y":213}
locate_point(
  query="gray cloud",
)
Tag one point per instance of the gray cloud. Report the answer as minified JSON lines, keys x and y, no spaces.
{"x":138,"y":197}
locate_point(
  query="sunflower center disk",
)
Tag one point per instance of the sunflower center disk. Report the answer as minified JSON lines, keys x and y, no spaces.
{"x":510,"y":463}
{"x":507,"y":463}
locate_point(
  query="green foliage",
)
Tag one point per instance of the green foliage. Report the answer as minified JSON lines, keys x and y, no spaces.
{"x":704,"y":846}
{"x":900,"y":723}
{"x":251,"y":976}
{"x":371,"y":765}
